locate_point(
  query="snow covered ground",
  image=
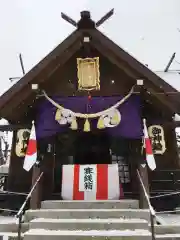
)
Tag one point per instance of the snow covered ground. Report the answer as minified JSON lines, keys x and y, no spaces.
{"x":170,"y":219}
{"x":4,"y":219}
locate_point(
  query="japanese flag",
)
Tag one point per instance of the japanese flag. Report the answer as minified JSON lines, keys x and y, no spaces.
{"x":148,"y":148}
{"x":31,"y":153}
{"x":91,"y":182}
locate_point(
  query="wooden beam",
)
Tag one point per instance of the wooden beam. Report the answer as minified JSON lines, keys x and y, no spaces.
{"x":163,"y":99}
{"x":176,"y":124}
{"x":13,"y":127}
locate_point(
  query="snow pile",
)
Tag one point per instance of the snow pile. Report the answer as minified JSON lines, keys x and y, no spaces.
{"x":96,"y":220}
{"x":137,"y":232}
{"x":7,"y":220}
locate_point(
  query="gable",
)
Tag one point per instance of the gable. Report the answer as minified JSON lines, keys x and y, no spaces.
{"x":21,"y":92}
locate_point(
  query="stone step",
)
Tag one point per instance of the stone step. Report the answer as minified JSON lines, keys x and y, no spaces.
{"x":167,"y":229}
{"x":89,"y":224}
{"x":109,"y":204}
{"x":36,"y":234}
{"x":87,"y":213}
{"x":10,"y":236}
{"x":168,"y":237}
{"x":13,"y":227}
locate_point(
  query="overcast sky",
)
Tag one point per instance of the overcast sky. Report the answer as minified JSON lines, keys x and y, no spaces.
{"x":148,"y":29}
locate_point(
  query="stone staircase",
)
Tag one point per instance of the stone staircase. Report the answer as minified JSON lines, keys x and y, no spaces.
{"x":86,"y":220}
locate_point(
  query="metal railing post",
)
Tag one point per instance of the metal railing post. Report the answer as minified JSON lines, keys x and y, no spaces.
{"x":21,"y":210}
{"x":152,"y":212}
{"x":19,"y":225}
{"x":152,"y":226}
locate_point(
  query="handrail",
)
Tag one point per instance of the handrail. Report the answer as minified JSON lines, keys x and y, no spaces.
{"x":29,"y":195}
{"x":151,"y":209}
{"x":21,"y":210}
{"x":146,"y":194}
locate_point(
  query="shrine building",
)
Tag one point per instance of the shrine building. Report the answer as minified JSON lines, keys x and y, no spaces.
{"x":88,"y":99}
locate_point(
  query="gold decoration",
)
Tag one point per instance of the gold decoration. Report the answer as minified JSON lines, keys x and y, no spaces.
{"x":156,"y":133}
{"x":58,"y":115}
{"x":22,"y":142}
{"x":100,"y":124}
{"x":112,"y":118}
{"x":74,"y":125}
{"x":115,"y":119}
{"x":87,"y":126}
{"x":88,"y":74}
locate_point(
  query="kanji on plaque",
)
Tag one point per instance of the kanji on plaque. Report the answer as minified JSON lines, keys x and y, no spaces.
{"x":156,"y":134}
{"x":87,"y":178}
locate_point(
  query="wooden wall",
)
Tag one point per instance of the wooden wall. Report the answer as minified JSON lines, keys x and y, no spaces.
{"x":64,"y":81}
{"x":18,"y":180}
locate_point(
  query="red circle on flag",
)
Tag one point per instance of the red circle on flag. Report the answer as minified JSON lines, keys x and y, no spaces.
{"x":32,"y":147}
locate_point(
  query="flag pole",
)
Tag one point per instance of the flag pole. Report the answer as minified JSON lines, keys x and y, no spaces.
{"x":35,"y":200}
{"x":143,"y":171}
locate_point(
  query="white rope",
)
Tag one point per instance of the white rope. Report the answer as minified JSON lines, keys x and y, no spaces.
{"x":92,"y":115}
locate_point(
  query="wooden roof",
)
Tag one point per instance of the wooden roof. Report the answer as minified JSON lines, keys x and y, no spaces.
{"x":21,"y":91}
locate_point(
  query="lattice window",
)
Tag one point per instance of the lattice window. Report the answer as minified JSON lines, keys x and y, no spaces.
{"x":123,"y":167}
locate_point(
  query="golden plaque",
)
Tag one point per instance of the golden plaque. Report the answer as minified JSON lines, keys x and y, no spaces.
{"x":88,"y":74}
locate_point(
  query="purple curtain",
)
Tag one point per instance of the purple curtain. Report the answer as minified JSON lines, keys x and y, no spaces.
{"x":129,"y":127}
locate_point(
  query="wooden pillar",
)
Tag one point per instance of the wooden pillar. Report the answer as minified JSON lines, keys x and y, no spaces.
{"x":133,"y":162}
{"x":35,"y":201}
{"x":144,"y":176}
{"x":48,"y":181}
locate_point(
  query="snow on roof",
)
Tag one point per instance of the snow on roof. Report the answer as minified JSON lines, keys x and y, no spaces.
{"x":171,"y":77}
